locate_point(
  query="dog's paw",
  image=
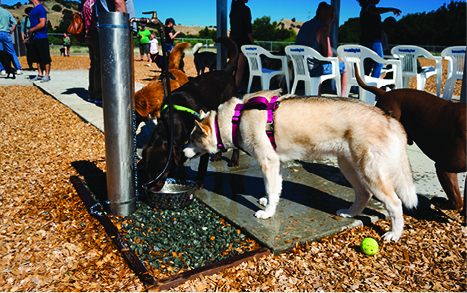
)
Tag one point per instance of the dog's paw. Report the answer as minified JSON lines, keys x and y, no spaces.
{"x":391,"y":236}
{"x":262,"y":214}
{"x":263,"y":201}
{"x":445,"y":204}
{"x":344,"y":213}
{"x":217,"y":157}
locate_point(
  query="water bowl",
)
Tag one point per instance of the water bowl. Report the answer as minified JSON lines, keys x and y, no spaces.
{"x":175,"y":194}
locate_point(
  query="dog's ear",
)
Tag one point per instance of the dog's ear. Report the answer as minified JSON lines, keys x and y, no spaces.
{"x":200,"y":127}
{"x":202,"y":114}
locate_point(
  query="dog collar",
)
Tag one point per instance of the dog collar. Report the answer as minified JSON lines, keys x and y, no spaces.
{"x":184,"y":109}
{"x":258,"y":103}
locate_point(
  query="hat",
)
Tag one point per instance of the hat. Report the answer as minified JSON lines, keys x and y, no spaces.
{"x":168,"y":20}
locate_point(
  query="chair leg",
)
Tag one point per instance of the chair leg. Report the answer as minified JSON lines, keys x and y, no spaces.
{"x":250,"y":81}
{"x":421,"y":79}
{"x":449,"y":89}
{"x":405,"y":82}
{"x":294,"y":86}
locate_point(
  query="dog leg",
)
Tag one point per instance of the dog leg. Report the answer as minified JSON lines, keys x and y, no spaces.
{"x":202,"y":170}
{"x":235,"y":159}
{"x":451,"y":187}
{"x":362,"y":195}
{"x":271,"y":169}
{"x":216,"y":157}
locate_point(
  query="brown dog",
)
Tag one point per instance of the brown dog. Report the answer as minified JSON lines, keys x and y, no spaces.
{"x":439,"y":129}
{"x":148,"y":100}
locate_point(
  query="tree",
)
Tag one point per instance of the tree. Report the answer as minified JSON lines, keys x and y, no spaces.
{"x":57,"y":8}
{"x":349,"y":32}
{"x":264,"y":30}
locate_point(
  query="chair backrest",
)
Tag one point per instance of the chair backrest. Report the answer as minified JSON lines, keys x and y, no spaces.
{"x":408,"y":55}
{"x":298,"y":54}
{"x":456,"y":57}
{"x":252,"y":53}
{"x":354,"y":55}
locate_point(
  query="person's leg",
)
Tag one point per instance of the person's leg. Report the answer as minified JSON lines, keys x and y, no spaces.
{"x":44,"y":55}
{"x":377,"y":67}
{"x":8,"y":47}
{"x":368,"y":63}
{"x":343,"y":72}
{"x":66,"y":50}
{"x":141,"y":50}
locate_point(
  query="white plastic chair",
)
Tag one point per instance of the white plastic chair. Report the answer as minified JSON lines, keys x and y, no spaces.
{"x":408,"y":55}
{"x":355,"y":54}
{"x":456,"y":60}
{"x":252,"y":53}
{"x":299,"y":55}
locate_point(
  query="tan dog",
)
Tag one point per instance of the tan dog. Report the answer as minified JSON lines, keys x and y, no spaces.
{"x":149,"y":100}
{"x":369,"y":145}
{"x":439,"y":129}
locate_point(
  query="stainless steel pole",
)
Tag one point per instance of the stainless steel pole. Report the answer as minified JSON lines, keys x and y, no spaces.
{"x":117,"y":89}
{"x":221,"y":32}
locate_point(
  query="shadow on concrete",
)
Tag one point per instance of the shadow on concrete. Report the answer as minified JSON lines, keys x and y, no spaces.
{"x":79,"y":91}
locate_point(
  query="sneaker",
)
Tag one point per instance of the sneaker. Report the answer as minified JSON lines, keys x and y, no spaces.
{"x":148,"y":65}
{"x":19,"y":72}
{"x":36,"y":78}
{"x":45,"y":79}
{"x":3,"y":73}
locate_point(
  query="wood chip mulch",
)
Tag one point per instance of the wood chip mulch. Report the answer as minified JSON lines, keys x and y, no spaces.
{"x":48,"y":241}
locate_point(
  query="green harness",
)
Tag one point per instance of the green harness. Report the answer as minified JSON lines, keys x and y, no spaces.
{"x":185,"y":109}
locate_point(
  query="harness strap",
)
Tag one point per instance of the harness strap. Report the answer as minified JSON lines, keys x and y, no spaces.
{"x":259,"y":103}
{"x":220,"y":145}
{"x":184,"y":109}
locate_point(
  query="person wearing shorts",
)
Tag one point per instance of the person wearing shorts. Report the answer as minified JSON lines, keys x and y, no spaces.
{"x":143,"y":36}
{"x":40,"y":52}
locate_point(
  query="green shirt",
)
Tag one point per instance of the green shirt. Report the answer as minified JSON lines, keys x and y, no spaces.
{"x":145,"y":36}
{"x":6,"y":20}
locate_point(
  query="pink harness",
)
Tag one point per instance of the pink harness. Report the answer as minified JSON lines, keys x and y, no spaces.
{"x":258,"y":103}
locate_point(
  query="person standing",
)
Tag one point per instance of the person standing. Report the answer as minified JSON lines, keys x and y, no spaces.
{"x":169,"y":34}
{"x":89,"y":12}
{"x":7,"y":27}
{"x":143,"y":36}
{"x":40,"y":51}
{"x":154,"y":51}
{"x":370,"y":32}
{"x":25,"y":26}
{"x":66,"y":44}
{"x":315,"y":34}
{"x":241,"y":32}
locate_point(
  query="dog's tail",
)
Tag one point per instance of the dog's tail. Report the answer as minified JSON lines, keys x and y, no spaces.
{"x":196,"y":48}
{"x":232,"y":63}
{"x":402,"y":175}
{"x":372,"y":89}
{"x":176,"y":55}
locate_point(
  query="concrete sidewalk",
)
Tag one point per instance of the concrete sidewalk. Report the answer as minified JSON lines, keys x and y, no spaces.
{"x":312,"y":191}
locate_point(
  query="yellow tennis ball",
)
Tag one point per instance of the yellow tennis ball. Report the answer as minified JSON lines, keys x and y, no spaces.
{"x":369,"y":246}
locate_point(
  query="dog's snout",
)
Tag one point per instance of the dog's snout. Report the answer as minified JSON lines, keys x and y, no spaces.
{"x":189,"y":152}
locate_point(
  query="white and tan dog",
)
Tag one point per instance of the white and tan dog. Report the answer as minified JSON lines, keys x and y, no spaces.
{"x":369,"y":145}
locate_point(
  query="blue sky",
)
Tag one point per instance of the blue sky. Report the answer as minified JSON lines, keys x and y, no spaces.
{"x":203,"y":12}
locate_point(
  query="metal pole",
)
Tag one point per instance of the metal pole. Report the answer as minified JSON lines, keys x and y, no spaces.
{"x":221,"y":32}
{"x":117,"y":89}
{"x":335,"y":24}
